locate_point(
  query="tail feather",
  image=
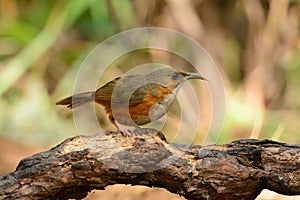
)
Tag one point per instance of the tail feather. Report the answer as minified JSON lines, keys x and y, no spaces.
{"x":77,"y":100}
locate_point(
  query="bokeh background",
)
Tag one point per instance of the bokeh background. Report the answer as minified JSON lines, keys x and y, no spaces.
{"x":254,"y":43}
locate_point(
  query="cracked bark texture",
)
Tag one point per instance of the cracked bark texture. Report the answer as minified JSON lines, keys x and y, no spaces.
{"x":238,"y":170}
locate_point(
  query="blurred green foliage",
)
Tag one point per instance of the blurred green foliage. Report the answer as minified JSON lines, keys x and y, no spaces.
{"x":255,"y":44}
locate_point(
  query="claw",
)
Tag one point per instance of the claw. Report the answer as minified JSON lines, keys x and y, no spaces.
{"x":126,"y":133}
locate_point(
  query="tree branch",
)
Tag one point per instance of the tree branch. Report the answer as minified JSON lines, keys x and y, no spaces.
{"x":238,"y":170}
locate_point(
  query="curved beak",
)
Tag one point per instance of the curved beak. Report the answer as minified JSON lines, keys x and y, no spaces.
{"x":191,"y":75}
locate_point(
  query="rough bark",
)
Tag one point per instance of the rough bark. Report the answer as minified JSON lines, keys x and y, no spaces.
{"x":238,"y":170}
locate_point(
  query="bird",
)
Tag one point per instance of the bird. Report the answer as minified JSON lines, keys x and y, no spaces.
{"x":136,"y":99}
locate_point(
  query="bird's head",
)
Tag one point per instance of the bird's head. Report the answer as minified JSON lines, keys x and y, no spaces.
{"x":172,"y":78}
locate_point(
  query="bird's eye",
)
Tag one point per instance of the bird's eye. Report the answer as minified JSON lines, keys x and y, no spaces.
{"x":175,"y":76}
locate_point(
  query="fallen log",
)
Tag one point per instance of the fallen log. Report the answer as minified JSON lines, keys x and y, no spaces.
{"x":238,"y":170}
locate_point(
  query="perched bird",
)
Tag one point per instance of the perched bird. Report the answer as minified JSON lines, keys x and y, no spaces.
{"x":135,"y":100}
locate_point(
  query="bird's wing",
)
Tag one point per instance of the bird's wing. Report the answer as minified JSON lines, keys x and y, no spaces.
{"x":131,"y":89}
{"x":104,"y":93}
{"x":120,"y":90}
{"x":150,"y":92}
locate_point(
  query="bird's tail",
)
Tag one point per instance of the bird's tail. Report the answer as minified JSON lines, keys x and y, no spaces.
{"x":77,"y":99}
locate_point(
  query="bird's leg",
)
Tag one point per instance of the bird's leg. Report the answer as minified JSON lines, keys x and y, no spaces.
{"x":123,"y":132}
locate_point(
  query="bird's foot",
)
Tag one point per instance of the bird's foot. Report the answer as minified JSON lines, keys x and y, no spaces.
{"x":126,"y":133}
